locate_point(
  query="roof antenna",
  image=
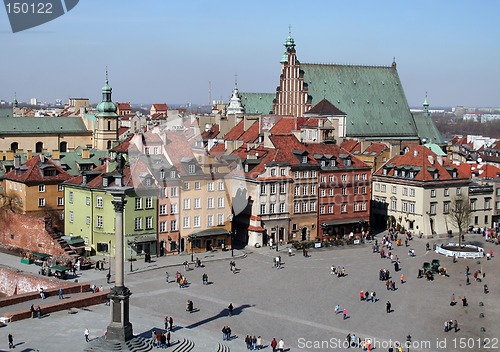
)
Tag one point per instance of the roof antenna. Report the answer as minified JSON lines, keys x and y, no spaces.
{"x":235,"y":80}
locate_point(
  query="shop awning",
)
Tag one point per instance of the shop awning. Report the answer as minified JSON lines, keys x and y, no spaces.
{"x":145,"y":239}
{"x":343,"y":222}
{"x":209,"y":232}
{"x":41,"y":255}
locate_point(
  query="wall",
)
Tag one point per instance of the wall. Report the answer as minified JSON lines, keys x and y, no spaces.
{"x":19,"y":282}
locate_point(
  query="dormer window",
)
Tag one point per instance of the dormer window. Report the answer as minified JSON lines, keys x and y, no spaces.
{"x":162,"y":174}
{"x":192,"y":168}
{"x":148,"y":182}
{"x":454,"y":174}
{"x":384,"y":172}
{"x":105,"y":182}
{"x":172,"y":174}
{"x":323,"y":163}
{"x":273,"y":172}
{"x":403,"y":173}
{"x":412,"y":174}
{"x":348,"y":162}
{"x":436,"y":175}
{"x":396,"y":173}
{"x":304,"y":159}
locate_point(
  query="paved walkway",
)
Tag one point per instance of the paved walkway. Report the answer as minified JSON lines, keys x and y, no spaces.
{"x":294,"y":303}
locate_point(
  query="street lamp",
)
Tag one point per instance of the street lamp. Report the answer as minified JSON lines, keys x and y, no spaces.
{"x":232,"y":242}
{"x":193,"y":238}
{"x":408,"y":342}
{"x":130,"y":244}
{"x":109,"y":269}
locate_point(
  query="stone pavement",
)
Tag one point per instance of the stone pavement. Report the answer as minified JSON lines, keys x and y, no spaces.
{"x":295,"y":303}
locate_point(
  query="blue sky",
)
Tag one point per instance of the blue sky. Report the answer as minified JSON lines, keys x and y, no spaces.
{"x":168,"y":51}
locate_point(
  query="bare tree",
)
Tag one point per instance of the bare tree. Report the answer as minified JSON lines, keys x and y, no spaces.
{"x":460,"y":214}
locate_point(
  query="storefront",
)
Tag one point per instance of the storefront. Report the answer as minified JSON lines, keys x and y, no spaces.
{"x":341,"y":228}
{"x":209,"y":239}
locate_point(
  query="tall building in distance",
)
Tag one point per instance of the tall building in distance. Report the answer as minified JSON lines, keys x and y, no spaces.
{"x":106,"y":130}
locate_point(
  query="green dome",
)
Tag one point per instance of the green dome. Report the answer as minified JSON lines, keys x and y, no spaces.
{"x":289,"y":43}
{"x":284,"y":58}
{"x":106,"y":88}
{"x":106,"y":106}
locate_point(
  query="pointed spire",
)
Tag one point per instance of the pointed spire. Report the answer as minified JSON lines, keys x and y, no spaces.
{"x":15,"y":103}
{"x":426,"y":107}
{"x":236,"y":80}
{"x":425,"y":101}
{"x":106,"y":74}
{"x":393,"y":63}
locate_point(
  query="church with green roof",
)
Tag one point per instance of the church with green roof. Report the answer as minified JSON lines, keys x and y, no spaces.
{"x":371,"y":96}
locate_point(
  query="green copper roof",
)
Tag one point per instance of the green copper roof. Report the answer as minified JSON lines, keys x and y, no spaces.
{"x":71,"y":160}
{"x":371,"y":96}
{"x":6,"y":112}
{"x":257,"y":103}
{"x":43,"y":125}
{"x":426,"y":129}
{"x":435,"y":149}
{"x":284,"y":58}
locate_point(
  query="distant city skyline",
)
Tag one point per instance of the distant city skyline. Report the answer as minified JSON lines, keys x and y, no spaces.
{"x":168,"y":52}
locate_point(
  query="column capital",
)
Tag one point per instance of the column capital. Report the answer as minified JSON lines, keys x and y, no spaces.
{"x":119,"y":204}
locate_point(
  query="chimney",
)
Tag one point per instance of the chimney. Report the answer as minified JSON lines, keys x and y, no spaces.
{"x":29,"y":154}
{"x":56,"y":154}
{"x":85,"y":153}
{"x":17,"y":161}
{"x":10,"y":155}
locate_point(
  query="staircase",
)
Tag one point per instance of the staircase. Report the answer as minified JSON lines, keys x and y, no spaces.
{"x":185,"y":346}
{"x":222,"y":348}
{"x":57,"y":237}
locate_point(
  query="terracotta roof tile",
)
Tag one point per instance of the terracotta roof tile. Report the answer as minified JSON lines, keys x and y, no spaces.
{"x":351,"y":145}
{"x":160,"y":107}
{"x":287,"y":124}
{"x":32,"y":171}
{"x":235,"y":132}
{"x":324,"y":107}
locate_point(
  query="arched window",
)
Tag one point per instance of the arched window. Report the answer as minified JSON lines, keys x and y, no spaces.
{"x":14,"y":146}
{"x":109,"y":145}
{"x":63,"y":146}
{"x":39,"y":147}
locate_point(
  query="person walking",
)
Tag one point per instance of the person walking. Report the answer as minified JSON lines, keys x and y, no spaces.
{"x":166,"y":322}
{"x":61,"y":293}
{"x":402,"y":279}
{"x":274,"y":343}
{"x":453,"y":301}
{"x":11,"y":341}
{"x":281,"y":345}
{"x":168,"y":339}
{"x":230,"y":308}
{"x":337,"y":309}
{"x":170,"y":323}
{"x":39,"y":312}
{"x":345,"y":313}
{"x":86,"y":333}
{"x":32,"y":310}
{"x":455,"y":325}
{"x":167,"y":277}
{"x":388,"y":307}
{"x":259,"y":342}
{"x":373,"y":295}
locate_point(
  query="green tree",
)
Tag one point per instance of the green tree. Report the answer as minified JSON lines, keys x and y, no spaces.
{"x":460,"y":215}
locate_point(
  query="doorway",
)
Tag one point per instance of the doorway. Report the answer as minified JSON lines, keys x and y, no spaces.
{"x":304,"y":233}
{"x":208,"y":245}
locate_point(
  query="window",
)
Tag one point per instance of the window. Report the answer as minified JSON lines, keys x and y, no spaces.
{"x":273,"y":172}
{"x":377,"y":187}
{"x":331,"y":178}
{"x":272,"y":208}
{"x":60,"y":187}
{"x":394,"y":204}
{"x":210,"y":203}
{"x":197,"y":185}
{"x":282,"y":188}
{"x":187,"y":203}
{"x":446,"y":207}
{"x":147,"y":149}
{"x":282,"y":207}
{"x":41,"y":202}
{"x":87,"y":220}
{"x":163,"y":226}
{"x":138,"y":223}
{"x":459,"y":191}
{"x":296,"y":208}
{"x":173,"y":174}
{"x":363,"y":206}
{"x":306,"y":174}
{"x":273,"y":188}
{"x":173,"y":191}
{"x":262,"y":189}
{"x":356,"y":177}
{"x":87,"y":200}
{"x":432,"y":209}
{"x":497,"y":205}
{"x":185,"y":222}
{"x":382,"y":188}
{"x":313,"y":174}
{"x":446,"y":192}
{"x":476,"y":220}
{"x":283,"y":172}
{"x":262,"y":208}
{"x":322,"y":209}
{"x":185,"y":186}
{"x":412,"y":192}
{"x":487,"y":203}
{"x":304,"y":207}
{"x":312,"y":207}
{"x":472,"y":204}
{"x":363,"y":190}
{"x":196,"y":221}
{"x":173,"y":225}
{"x":313,"y":190}
{"x":330,"y":209}
{"x":197,"y":203}
{"x":71,"y":216}
{"x":138,"y":203}
{"x":220,"y":219}
{"x":394,"y":189}
{"x":296,"y":191}
{"x":297,"y":174}
{"x":356,"y":190}
{"x":173,"y":208}
{"x":433,"y":193}
{"x":356,"y":206}
{"x":363,"y":177}
{"x":220,"y":186}
{"x":60,"y":200}
{"x":162,"y":174}
{"x":99,"y":222}
{"x":343,"y":208}
{"x":210,"y":220}
{"x":192,"y":168}
{"x":210,"y":186}
{"x":163,"y":209}
{"x":304,"y":159}
{"x":220,"y":202}
{"x":149,"y":203}
{"x":304,"y":190}
{"x":404,"y":207}
{"x":322,"y":179}
{"x":41,"y":188}
{"x":330,"y":192}
{"x":486,"y":218}
{"x":344,"y":178}
{"x":344,"y":191}
{"x":405,"y":191}
{"x":322,"y":192}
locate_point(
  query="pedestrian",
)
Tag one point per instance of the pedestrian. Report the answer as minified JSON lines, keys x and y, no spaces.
{"x":348,"y":340}
{"x":274,"y":344}
{"x":373,"y":294}
{"x":11,"y":341}
{"x":167,"y":277}
{"x":171,"y":323}
{"x":108,"y":277}
{"x":39,"y":312}
{"x":230,"y":308}
{"x":455,"y":325}
{"x":166,"y":323}
{"x":345,"y":313}
{"x":259,"y":342}
{"x":464,"y":301}
{"x":86,"y":333}
{"x":332,"y":270}
{"x":248,"y":342}
{"x":32,"y":310}
{"x":168,"y":339}
{"x":254,"y":343}
{"x":468,"y":281}
{"x":337,"y":309}
{"x":446,"y":326}
{"x":205,"y":279}
{"x":453,"y":301}
{"x":485,"y":288}
{"x":388,"y":307}
{"x":61,"y":293}
{"x":228,"y":330}
{"x":361,"y":296}
{"x":402,"y":279}
{"x":281,"y":345}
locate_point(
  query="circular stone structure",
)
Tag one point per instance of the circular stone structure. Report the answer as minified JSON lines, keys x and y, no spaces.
{"x":457,"y":251}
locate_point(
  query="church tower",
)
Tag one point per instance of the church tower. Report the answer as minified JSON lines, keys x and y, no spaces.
{"x":291,"y":95}
{"x":106,"y":129}
{"x":235,"y":107}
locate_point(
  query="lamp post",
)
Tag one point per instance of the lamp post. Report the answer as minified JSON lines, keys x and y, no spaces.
{"x":408,"y":342}
{"x":109,"y":270}
{"x":232,"y":243}
{"x":193,"y":238}
{"x":130,"y":244}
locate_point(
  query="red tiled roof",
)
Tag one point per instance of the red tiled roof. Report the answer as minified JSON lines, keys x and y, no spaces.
{"x":123,"y":106}
{"x":312,"y":122}
{"x":160,"y":107}
{"x":334,"y":149}
{"x":256,"y":228}
{"x":351,"y":145}
{"x":251,"y":135}
{"x":255,"y":218}
{"x":486,"y":171}
{"x":123,"y":146}
{"x":287,"y":124}
{"x":235,"y":132}
{"x":211,"y":133}
{"x":285,"y":145}
{"x":32,"y":171}
{"x":496,"y":145}
{"x":122,"y":130}
{"x":324,"y":107}
{"x":376,"y":148}
{"x":425,"y":159}
{"x":218,"y":150}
